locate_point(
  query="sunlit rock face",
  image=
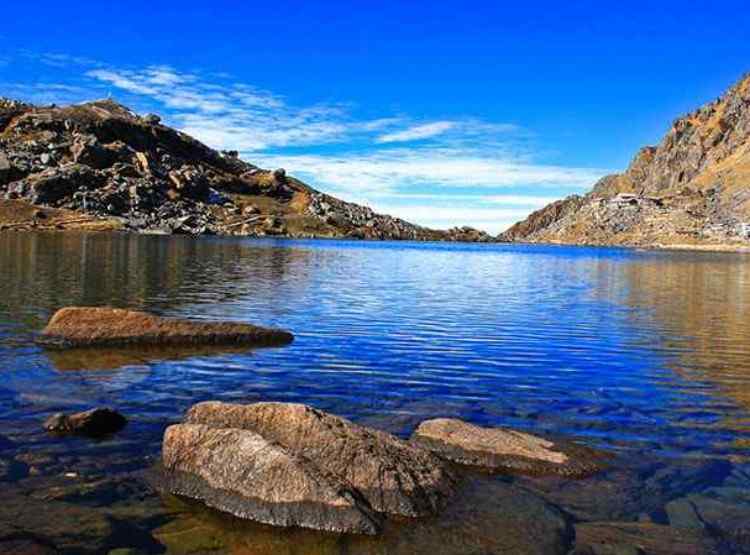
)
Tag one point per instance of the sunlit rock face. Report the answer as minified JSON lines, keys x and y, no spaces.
{"x":692,"y":189}
{"x":505,"y":449}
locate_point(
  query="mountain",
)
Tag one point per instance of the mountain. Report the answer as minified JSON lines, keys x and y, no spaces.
{"x":693,"y":189}
{"x":100,"y":166}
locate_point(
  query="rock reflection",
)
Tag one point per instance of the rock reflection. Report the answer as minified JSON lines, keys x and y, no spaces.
{"x":70,"y":360}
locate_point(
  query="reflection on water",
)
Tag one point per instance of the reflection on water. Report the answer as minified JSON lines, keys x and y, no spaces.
{"x":642,"y":353}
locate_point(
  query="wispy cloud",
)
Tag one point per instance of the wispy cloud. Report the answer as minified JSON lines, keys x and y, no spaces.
{"x":403,"y":168}
{"x":417,"y":132}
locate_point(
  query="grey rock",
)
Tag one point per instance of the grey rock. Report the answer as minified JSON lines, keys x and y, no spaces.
{"x":393,"y":476}
{"x":249,"y":476}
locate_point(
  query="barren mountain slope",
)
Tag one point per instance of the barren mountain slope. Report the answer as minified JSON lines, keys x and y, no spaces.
{"x":691,"y":190}
{"x":99,"y":166}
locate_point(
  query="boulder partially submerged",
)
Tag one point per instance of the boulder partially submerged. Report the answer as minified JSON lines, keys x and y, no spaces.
{"x":243,"y":473}
{"x":394,"y":476}
{"x":502,"y":449}
{"x":96,"y":422}
{"x":312,"y":469}
{"x":101,"y":326}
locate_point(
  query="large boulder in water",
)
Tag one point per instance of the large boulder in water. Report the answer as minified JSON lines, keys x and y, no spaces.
{"x":289,"y":464}
{"x":93,"y":327}
{"x":243,"y":473}
{"x":506,"y":450}
{"x":394,"y":476}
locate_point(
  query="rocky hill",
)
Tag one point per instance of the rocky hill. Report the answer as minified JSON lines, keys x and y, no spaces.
{"x":100,"y":166}
{"x":691,"y":190}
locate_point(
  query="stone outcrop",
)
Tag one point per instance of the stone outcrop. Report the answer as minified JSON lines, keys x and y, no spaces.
{"x":96,"y":327}
{"x":395,"y":477}
{"x":505,"y":450}
{"x":289,"y":464}
{"x":243,"y":473}
{"x":94,"y":423}
{"x":692,"y":189}
{"x":102,"y":160}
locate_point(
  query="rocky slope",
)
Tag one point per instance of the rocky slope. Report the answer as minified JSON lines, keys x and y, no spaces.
{"x":99,"y":166}
{"x":691,"y":190}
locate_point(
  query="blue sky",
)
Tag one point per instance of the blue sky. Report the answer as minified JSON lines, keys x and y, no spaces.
{"x":444,"y":113}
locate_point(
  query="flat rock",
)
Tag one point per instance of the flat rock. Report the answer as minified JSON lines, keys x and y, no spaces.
{"x":249,"y":476}
{"x":724,"y":511}
{"x":392,"y":475}
{"x":88,"y":327}
{"x":507,"y":450}
{"x":638,"y":538}
{"x":94,"y":423}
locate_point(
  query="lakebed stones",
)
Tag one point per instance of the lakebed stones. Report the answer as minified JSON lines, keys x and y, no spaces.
{"x":96,"y":422}
{"x":96,"y":327}
{"x":329,"y":474}
{"x":505,"y":450}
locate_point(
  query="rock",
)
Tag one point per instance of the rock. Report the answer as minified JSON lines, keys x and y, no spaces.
{"x":151,"y":119}
{"x":721,"y":510}
{"x":26,"y":544}
{"x":636,"y":538}
{"x":630,"y":488}
{"x":247,"y":475}
{"x":506,"y":450}
{"x":393,"y":476}
{"x":279,"y":175}
{"x":89,"y":326}
{"x":96,"y":422}
{"x":55,"y":185}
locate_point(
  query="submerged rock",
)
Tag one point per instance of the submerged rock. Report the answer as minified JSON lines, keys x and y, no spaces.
{"x":89,"y":326}
{"x":638,"y":538}
{"x":505,"y":450}
{"x":247,"y":475}
{"x":94,"y":423}
{"x":392,"y":475}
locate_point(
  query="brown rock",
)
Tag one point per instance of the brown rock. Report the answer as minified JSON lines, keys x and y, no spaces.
{"x":88,"y":326}
{"x":249,"y":476}
{"x":393,"y":476}
{"x":95,"y":422}
{"x":621,"y":538}
{"x":505,"y":450}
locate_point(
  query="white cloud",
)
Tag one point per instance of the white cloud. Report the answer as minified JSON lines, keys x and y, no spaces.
{"x":409,"y":168}
{"x":417,"y":132}
{"x":391,"y":181}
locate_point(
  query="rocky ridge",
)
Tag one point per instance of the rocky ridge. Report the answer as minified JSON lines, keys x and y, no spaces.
{"x":691,"y":190}
{"x":100,"y":166}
